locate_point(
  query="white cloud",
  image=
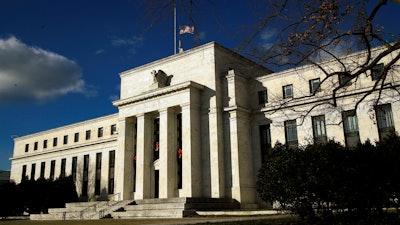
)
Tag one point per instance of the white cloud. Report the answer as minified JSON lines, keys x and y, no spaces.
{"x":131,"y":43}
{"x":99,"y":51}
{"x":32,"y":74}
{"x":268,"y":38}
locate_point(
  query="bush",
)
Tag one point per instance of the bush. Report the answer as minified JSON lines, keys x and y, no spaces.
{"x":327,"y":178}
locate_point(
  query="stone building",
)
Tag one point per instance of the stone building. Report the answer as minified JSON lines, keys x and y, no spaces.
{"x":199,"y":123}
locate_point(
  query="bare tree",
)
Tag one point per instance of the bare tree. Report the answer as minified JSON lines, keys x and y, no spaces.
{"x":316,"y":31}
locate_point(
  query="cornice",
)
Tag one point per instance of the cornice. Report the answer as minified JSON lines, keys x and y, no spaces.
{"x":158,"y":92}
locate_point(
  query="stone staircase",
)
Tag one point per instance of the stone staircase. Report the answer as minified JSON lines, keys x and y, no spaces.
{"x":143,"y":208}
{"x":172,"y":207}
{"x":81,"y":210}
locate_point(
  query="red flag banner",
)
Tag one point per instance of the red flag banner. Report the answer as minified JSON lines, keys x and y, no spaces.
{"x":186,"y":29}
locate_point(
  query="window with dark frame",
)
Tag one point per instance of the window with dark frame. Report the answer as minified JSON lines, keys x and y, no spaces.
{"x":23,"y":175}
{"x":65,"y":140}
{"x":262,"y":97}
{"x":384,"y":119}
{"x":100,"y":132}
{"x":63,"y":164}
{"x":111,"y":166}
{"x":45,"y":144}
{"x":76,"y":137}
{"x":265,"y":141}
{"x":113,"y":129}
{"x":376,"y":71}
{"x":52,"y":169}
{"x":85,"y":177}
{"x":35,"y":146}
{"x":26,"y":147}
{"x":344,"y":80}
{"x":54,"y":142}
{"x":42,"y":169}
{"x":291,"y":133}
{"x":74,"y":167}
{"x":87,"y":136}
{"x":98,"y":174}
{"x":319,"y":129}
{"x":314,"y":86}
{"x":287,"y":91}
{"x":350,"y":127}
{"x":33,"y":171}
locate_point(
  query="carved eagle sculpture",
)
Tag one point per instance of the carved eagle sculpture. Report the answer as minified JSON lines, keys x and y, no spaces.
{"x":161,"y":78}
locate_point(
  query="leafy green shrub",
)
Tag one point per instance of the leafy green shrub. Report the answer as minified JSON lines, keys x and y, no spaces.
{"x":327,"y":178}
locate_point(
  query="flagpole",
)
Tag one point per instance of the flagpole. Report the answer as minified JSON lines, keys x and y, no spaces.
{"x":174,"y":26}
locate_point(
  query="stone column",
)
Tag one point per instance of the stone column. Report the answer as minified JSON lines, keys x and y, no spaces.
{"x":124,"y":158}
{"x":167,"y":150}
{"x":217,"y":166}
{"x":243,"y":187}
{"x":143,"y":157}
{"x":191,"y":157}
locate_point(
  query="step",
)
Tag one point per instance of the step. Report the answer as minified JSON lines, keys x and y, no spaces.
{"x":162,"y":213}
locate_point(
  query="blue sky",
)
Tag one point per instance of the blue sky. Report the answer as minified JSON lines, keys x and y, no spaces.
{"x":60,"y":59}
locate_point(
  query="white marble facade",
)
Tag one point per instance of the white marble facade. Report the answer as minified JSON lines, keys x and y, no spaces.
{"x":195,"y":124}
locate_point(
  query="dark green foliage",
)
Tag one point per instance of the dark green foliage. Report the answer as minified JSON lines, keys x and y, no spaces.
{"x":328,"y":178}
{"x":11,"y":200}
{"x":36,"y":196}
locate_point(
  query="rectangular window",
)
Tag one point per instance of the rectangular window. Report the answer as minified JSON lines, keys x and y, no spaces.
{"x":65,"y":141}
{"x":26,"y":147}
{"x":74,"y":167}
{"x":384,"y":118}
{"x":35,"y":146}
{"x":63,"y":163}
{"x":98,"y":174}
{"x":288,"y":91}
{"x":100,"y":132}
{"x":33,"y":171}
{"x":350,"y":125}
{"x":262,"y":97}
{"x":319,"y":129}
{"x":54,"y":142}
{"x":314,"y":86}
{"x":291,"y":133}
{"x":23,"y":175}
{"x":45,"y":144}
{"x":52,"y":169}
{"x":113,"y":129}
{"x":376,"y":71}
{"x":85,"y":183}
{"x":42,"y":169}
{"x":87,"y":136}
{"x":265,"y":141}
{"x":76,"y":137}
{"x":344,"y":80}
{"x":111,"y":165}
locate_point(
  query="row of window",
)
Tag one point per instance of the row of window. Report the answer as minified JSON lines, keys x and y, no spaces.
{"x":88,"y":135}
{"x":287,"y":91}
{"x":85,"y":177}
{"x":384,"y":120}
{"x":314,"y":85}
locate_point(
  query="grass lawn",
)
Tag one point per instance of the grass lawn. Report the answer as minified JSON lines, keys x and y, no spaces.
{"x":270,"y":220}
{"x":265,"y":220}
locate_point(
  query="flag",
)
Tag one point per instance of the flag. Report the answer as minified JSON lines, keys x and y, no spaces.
{"x":186,"y":29}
